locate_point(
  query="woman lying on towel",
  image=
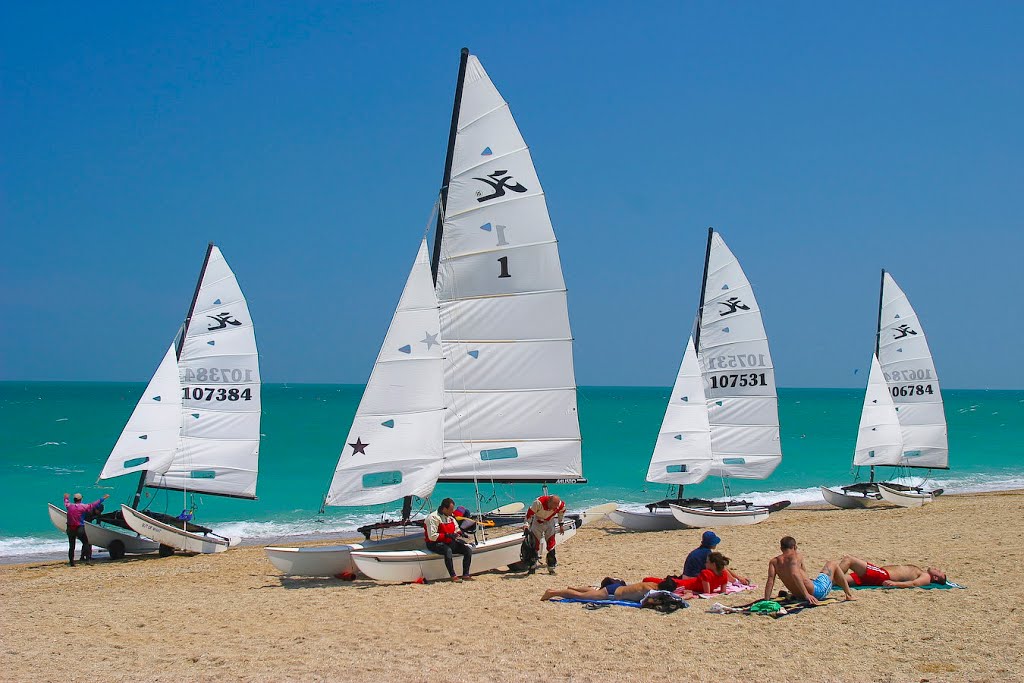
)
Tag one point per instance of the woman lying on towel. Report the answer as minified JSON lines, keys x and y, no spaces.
{"x":712,"y":579}
{"x":612,"y":589}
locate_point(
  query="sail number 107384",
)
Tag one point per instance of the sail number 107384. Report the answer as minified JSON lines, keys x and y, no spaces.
{"x":216,"y":394}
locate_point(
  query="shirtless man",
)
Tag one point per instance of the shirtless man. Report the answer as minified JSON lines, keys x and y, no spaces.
{"x":863,"y":573}
{"x":789,"y":566}
{"x":610,"y":589}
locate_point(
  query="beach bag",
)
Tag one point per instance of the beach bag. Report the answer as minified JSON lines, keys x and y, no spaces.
{"x":663,"y":601}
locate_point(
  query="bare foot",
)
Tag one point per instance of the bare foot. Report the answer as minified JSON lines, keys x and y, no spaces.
{"x":851,"y":596}
{"x":548,"y":594}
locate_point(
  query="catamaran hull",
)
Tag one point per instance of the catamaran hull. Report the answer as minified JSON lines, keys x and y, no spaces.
{"x":698,"y":518}
{"x":105,"y":537}
{"x":848,"y":502}
{"x":412,"y":565}
{"x":657,"y":520}
{"x":173,"y":537}
{"x":907,"y":499}
{"x":335,"y":559}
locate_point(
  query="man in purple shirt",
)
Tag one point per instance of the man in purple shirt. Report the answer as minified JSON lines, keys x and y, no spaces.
{"x":76,"y":525}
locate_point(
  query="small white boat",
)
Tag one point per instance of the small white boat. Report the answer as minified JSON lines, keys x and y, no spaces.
{"x":905,"y":498}
{"x":902,"y":423}
{"x":850,"y":501}
{"x":174,"y":537}
{"x":658,"y":519}
{"x":117,"y":542}
{"x":412,"y":565}
{"x":732,"y":515}
{"x":332,"y":560}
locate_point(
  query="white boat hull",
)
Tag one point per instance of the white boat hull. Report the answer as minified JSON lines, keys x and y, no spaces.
{"x":334,"y":559}
{"x":658,"y":520}
{"x":699,"y":518}
{"x":411,"y":565}
{"x":846,"y":501}
{"x":907,"y":499}
{"x":105,"y":537}
{"x":174,"y":537}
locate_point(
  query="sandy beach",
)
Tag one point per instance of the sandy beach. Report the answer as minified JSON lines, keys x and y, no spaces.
{"x":234,"y":617}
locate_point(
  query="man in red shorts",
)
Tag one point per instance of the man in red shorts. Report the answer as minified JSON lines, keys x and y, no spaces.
{"x":864,"y":573}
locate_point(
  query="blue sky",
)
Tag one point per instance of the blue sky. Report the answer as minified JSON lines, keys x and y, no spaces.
{"x":824,"y":141}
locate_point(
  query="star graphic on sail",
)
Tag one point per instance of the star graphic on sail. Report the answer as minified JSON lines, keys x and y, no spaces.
{"x":359,"y":447}
{"x":430,"y":340}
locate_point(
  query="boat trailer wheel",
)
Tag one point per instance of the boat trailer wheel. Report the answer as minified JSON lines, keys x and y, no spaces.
{"x":166,"y":550}
{"x":116,"y":549}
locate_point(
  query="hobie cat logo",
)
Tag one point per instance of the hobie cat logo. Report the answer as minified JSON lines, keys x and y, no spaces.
{"x":732,"y":305}
{"x":499,"y":182}
{"x":903,"y":331}
{"x":223,"y":320}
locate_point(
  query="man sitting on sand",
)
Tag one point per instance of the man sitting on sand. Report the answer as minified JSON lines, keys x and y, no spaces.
{"x":789,"y":566}
{"x":611,"y":589}
{"x":863,"y":573}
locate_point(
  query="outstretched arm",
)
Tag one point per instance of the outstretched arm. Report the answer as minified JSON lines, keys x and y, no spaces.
{"x":923,"y":580}
{"x":738,"y":577}
{"x":770,"y":582}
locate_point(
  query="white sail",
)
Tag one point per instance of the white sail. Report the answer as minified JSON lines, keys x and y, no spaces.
{"x":907,"y":365}
{"x":510,"y":389}
{"x":394,"y":447}
{"x":879,"y":439}
{"x":739,"y":379}
{"x":150,"y":437}
{"x":682,"y":453}
{"x":218,"y":366}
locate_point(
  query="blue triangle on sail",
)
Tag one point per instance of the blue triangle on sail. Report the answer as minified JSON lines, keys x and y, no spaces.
{"x":475,"y":353}
{"x":718,"y":403}
{"x":486,"y":226}
{"x":390,"y":424}
{"x":216,"y":302}
{"x":195,"y":415}
{"x":405,"y":349}
{"x":874,"y":400}
{"x":686,"y":398}
{"x":725,"y":329}
{"x":679,"y":437}
{"x":897,"y":316}
{"x":211,"y":343}
{"x":144,"y":436}
{"x":487,"y":152}
{"x":874,"y":429}
{"x":899,"y":350}
{"x":156,"y":398}
{"x":725,"y":286}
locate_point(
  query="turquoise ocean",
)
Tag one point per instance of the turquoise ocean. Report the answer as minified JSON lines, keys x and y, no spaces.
{"x":55,"y":437}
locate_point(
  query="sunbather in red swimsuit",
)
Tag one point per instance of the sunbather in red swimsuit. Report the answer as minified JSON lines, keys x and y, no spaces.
{"x":873,"y":576}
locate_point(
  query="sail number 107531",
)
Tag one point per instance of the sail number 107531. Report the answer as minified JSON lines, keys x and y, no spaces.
{"x":747,"y":379}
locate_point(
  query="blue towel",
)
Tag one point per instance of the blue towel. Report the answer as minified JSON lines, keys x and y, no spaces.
{"x":930,"y":586}
{"x":622,"y":603}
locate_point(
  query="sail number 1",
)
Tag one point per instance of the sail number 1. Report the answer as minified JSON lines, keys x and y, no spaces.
{"x":752,"y":379}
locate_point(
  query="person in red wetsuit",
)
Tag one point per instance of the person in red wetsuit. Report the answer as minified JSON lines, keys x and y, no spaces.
{"x":540,"y":520}
{"x":76,"y":525}
{"x":444,"y":538}
{"x":864,"y":573}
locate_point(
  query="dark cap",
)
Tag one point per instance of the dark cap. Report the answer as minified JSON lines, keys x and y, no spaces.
{"x":710,"y":539}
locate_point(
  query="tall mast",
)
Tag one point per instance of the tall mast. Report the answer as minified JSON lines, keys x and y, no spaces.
{"x":703,"y":286}
{"x":456,"y":107}
{"x":878,"y":336}
{"x":177,"y":355}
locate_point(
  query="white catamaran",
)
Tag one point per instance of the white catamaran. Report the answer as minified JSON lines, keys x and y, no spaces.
{"x":735,"y":431}
{"x":501,"y":351}
{"x":903,"y":423}
{"x":196,"y":428}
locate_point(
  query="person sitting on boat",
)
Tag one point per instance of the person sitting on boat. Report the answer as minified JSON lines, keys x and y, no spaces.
{"x":610,"y":589}
{"x":443,"y":537}
{"x":540,"y":520}
{"x":77,"y":512}
{"x":789,"y":566}
{"x":864,"y":573}
{"x":697,"y":560}
{"x":712,"y":579}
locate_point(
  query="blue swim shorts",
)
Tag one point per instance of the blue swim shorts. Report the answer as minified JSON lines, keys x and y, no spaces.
{"x":822,"y":585}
